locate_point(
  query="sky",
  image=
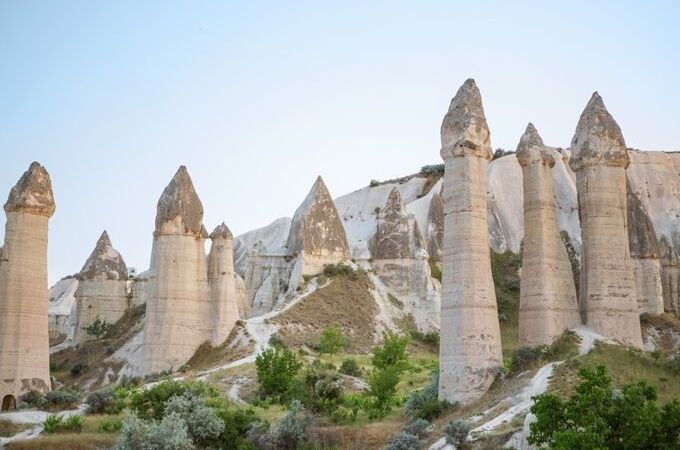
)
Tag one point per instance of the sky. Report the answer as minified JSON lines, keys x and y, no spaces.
{"x":258,"y":98}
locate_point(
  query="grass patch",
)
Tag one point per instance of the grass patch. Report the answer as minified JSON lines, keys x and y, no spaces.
{"x":435,"y":269}
{"x":528,"y":358}
{"x":65,"y":441}
{"x":625,"y":366}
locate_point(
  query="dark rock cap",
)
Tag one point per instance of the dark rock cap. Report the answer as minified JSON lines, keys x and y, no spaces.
{"x":221,"y":231}
{"x":104,"y":262}
{"x":179,"y":199}
{"x":32,"y":193}
{"x":598,"y":139}
{"x":531,"y":148}
{"x":464,"y":129}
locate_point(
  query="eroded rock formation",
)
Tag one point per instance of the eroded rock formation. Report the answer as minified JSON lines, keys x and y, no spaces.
{"x":435,"y":232}
{"x":178,"y":310}
{"x":102,"y":288}
{"x":548,"y":303}
{"x":599,"y":157}
{"x":645,"y":257}
{"x":225,"y":311}
{"x":24,"y":341}
{"x":470,"y":349}
{"x":670,"y":276}
{"x":317,"y":236}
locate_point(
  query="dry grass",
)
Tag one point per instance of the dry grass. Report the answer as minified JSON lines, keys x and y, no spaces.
{"x":355,"y":437}
{"x":66,"y":441}
{"x":208,"y":356}
{"x":346,"y":302}
{"x":94,"y":353}
{"x":8,"y":428}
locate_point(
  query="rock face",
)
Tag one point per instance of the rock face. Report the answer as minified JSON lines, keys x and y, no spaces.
{"x":435,"y":231}
{"x":645,"y":257}
{"x":599,"y":157}
{"x":317,"y":236}
{"x":102,"y":288}
{"x":670,"y":276}
{"x":222,"y":285}
{"x":178,"y":310}
{"x":470,"y":349}
{"x":24,"y":341}
{"x":548,"y":303}
{"x":398,"y":235}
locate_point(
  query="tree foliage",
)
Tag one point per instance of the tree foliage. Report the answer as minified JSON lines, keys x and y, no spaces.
{"x":597,"y":416}
{"x":276,"y":369}
{"x":98,"y":328}
{"x":332,"y":341}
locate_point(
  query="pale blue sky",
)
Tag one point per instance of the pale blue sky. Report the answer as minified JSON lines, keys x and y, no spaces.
{"x":258,"y":98}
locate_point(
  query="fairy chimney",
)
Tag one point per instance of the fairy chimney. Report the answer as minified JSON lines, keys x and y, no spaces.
{"x":599,"y":158}
{"x":548,"y":304}
{"x":470,"y":350}
{"x":225,"y":308}
{"x":102,"y":288}
{"x":24,"y":340}
{"x":178,"y":311}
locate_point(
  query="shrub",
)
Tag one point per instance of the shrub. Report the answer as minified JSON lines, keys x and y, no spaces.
{"x":62,"y":399}
{"x":110,"y":425}
{"x":150,"y":403}
{"x":203,"y":425}
{"x":332,"y":341}
{"x":78,"y":369}
{"x":425,"y":403}
{"x":433,"y":169}
{"x":417,"y":427}
{"x":33,"y":398}
{"x":276,"y":341}
{"x":290,"y":432}
{"x":170,"y":433}
{"x":57,"y":424}
{"x":456,"y":433}
{"x":340,"y":270}
{"x":382,"y":392}
{"x":429,"y":338}
{"x":323,"y":390}
{"x":104,"y":401}
{"x":237,"y":422}
{"x":435,"y":270}
{"x":350,"y":367}
{"x":276,"y":369}
{"x":403,"y":441}
{"x":392,"y":354}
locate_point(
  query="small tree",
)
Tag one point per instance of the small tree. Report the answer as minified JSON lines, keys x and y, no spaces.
{"x":276,"y":369}
{"x":98,"y":328}
{"x":332,"y":341}
{"x":392,"y":354}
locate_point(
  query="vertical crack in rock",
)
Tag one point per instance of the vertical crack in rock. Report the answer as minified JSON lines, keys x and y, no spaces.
{"x":548,"y":303}
{"x":599,"y":158}
{"x":470,"y":350}
{"x":24,"y":329}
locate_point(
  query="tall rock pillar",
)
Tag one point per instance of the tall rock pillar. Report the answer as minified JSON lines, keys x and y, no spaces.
{"x":178,"y":311}
{"x":225,"y":311}
{"x":599,"y":157}
{"x":470,"y":350}
{"x":24,"y":340}
{"x":548,"y":303}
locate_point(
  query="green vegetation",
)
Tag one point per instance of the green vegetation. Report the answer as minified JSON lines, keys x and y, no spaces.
{"x":598,"y":416}
{"x":351,"y":367}
{"x":342,"y":270}
{"x":505,"y":271}
{"x":276,"y":369}
{"x":332,"y":341}
{"x":456,"y":433}
{"x":435,"y":270}
{"x":61,"y":399}
{"x":526,"y":358}
{"x":98,"y":328}
{"x":57,"y":424}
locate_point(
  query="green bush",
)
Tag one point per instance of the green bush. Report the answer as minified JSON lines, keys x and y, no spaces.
{"x":599,"y":416}
{"x":237,"y":422}
{"x":429,"y":338}
{"x":79,"y":369}
{"x":33,"y":398}
{"x":104,"y":400}
{"x":62,"y":399}
{"x":403,"y":441}
{"x":169,"y":433}
{"x":433,"y":169}
{"x":276,"y":368}
{"x":203,"y":425}
{"x":425,"y":403}
{"x":322,"y":389}
{"x":341,"y":270}
{"x":110,"y":425}
{"x":150,"y":403}
{"x":57,"y":424}
{"x":382,"y":392}
{"x":350,"y":367}
{"x":456,"y":433}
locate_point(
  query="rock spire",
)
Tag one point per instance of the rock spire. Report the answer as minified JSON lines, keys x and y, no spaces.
{"x":548,"y":303}
{"x":24,"y":339}
{"x":599,"y":157}
{"x":398,"y":235}
{"x":221,"y":282}
{"x":470,"y":350}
